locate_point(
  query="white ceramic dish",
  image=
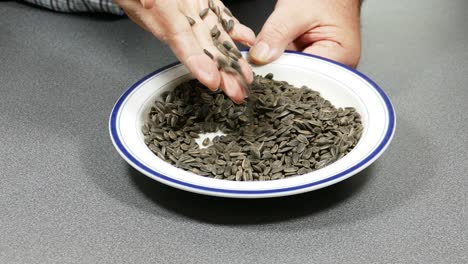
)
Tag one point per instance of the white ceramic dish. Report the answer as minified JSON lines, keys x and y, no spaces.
{"x":341,"y":85}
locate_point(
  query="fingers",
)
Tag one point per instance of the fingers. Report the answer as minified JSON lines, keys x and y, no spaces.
{"x":188,"y":37}
{"x":230,"y":84}
{"x":240,"y":33}
{"x":325,"y":28}
{"x":246,"y":70}
{"x":185,"y":44}
{"x":202,"y":66}
{"x":232,"y":88}
{"x":204,"y":70}
{"x":286,"y":23}
{"x":243,"y":35}
{"x":333,"y":42}
{"x":202,"y":33}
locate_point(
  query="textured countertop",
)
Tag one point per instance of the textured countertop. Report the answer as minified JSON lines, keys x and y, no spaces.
{"x":66,"y":196}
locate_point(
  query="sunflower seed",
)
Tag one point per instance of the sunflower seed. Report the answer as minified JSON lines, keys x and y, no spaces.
{"x":239,"y":175}
{"x":206,"y":142}
{"x":227,"y":45}
{"x":229,"y":25}
{"x":208,"y":53}
{"x":172,"y":135}
{"x":190,"y":20}
{"x":277,"y":176}
{"x":230,"y":70}
{"x":236,"y":154}
{"x":295,"y":158}
{"x":224,"y":24}
{"x":286,"y":149}
{"x":222,"y":49}
{"x":233,"y":56}
{"x":301,"y":147}
{"x":227,"y":11}
{"x":204,"y":12}
{"x":222,"y":63}
{"x":246,"y":163}
{"x":215,"y":32}
{"x":234,"y":51}
{"x":211,"y":5}
{"x":302,"y":139}
{"x":236,"y":66}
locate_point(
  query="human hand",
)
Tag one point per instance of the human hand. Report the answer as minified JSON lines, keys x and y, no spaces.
{"x":328,"y":28}
{"x":170,"y":21}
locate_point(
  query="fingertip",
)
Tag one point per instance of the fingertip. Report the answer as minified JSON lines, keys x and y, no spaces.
{"x":232,"y":88}
{"x":204,"y":70}
{"x":243,"y":34}
{"x":263,"y":53}
{"x":246,"y":71}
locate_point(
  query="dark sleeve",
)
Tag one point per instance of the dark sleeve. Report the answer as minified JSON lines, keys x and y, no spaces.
{"x":75,"y":6}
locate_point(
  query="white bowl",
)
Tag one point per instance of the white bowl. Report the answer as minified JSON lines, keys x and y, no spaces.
{"x":341,"y":85}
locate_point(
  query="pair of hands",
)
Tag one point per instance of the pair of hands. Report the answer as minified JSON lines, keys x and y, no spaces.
{"x":328,"y":28}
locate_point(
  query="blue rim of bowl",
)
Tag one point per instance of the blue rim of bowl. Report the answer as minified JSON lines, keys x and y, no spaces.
{"x":356,"y":168}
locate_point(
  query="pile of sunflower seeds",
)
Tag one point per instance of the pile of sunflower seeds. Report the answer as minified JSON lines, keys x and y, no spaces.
{"x":292,"y":131}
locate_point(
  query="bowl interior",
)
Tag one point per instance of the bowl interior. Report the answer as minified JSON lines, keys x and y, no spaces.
{"x":340,"y":86}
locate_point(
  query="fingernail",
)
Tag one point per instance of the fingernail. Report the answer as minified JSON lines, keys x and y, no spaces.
{"x":260,"y":51}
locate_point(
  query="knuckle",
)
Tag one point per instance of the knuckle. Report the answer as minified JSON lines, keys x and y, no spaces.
{"x":276,"y":29}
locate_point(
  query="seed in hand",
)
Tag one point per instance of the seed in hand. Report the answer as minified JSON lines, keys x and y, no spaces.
{"x":208,"y":53}
{"x":224,"y":23}
{"x":236,"y":53}
{"x":212,"y":6}
{"x":222,"y":63}
{"x":230,"y":25}
{"x":228,"y":12}
{"x":227,"y":45}
{"x":203,"y":13}
{"x":222,"y":49}
{"x":190,"y":20}
{"x":215,"y":32}
{"x":236,"y":66}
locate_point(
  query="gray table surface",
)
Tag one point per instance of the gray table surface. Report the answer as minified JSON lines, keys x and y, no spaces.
{"x":66,"y":196}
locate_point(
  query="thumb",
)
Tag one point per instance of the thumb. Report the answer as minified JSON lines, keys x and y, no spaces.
{"x":284,"y":25}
